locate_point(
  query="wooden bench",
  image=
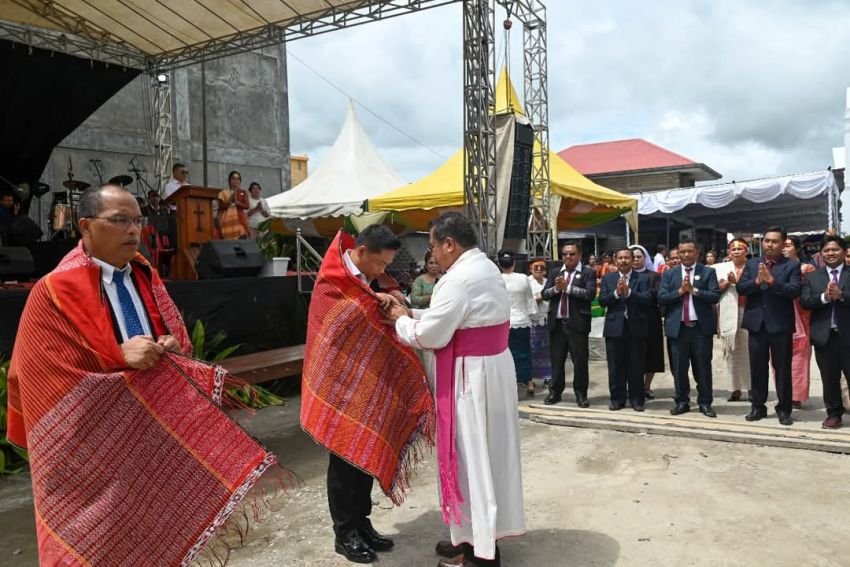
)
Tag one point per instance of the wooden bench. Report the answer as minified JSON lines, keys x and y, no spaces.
{"x":267,"y":365}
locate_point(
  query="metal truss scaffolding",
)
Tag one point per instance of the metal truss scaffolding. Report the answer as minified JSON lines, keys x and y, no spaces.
{"x":161,"y":127}
{"x":479,"y":71}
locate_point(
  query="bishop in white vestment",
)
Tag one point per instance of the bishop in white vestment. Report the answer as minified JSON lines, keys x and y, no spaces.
{"x":471,"y":301}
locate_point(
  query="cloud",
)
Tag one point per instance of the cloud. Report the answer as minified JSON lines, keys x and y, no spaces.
{"x":751,"y":88}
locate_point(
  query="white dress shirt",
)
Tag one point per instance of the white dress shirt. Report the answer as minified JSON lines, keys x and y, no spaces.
{"x":352,"y":267}
{"x":839,"y":267}
{"x":692,"y":311}
{"x":627,"y":277}
{"x":106,"y":271}
{"x":567,"y":289}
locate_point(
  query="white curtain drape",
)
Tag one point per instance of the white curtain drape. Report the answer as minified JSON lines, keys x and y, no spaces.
{"x":802,"y":186}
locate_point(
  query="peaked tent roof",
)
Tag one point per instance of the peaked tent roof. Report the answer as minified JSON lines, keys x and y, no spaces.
{"x":631,"y":155}
{"x":351,"y":172}
{"x":582,"y":202}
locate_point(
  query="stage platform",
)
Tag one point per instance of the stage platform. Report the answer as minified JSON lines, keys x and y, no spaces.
{"x":258,"y":313}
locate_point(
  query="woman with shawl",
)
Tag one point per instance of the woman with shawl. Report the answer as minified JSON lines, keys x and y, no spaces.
{"x":655,"y":332}
{"x":730,"y":311}
{"x":541,"y":366}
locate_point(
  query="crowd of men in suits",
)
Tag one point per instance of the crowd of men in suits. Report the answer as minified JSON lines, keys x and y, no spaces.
{"x":687,"y":294}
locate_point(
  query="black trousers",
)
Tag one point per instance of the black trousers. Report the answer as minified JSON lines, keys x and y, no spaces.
{"x":564,"y":341}
{"x":626,"y":356}
{"x":765,"y":347}
{"x":349,"y":496}
{"x":691,"y":350}
{"x":833,"y":361}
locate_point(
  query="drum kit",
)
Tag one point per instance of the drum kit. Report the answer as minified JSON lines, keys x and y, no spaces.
{"x":63,"y":209}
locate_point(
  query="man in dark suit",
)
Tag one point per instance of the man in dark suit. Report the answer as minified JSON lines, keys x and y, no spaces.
{"x":688,"y":293}
{"x":826,"y":292}
{"x":569,"y":290}
{"x":626,"y":294}
{"x":770,"y":285}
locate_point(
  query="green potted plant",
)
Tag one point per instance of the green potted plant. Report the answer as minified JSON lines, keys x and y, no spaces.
{"x":277,"y":248}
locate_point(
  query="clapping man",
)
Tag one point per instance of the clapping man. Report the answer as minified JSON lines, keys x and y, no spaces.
{"x":770,"y":285}
{"x":688,"y":293}
{"x":569,"y":290}
{"x":826,"y":292}
{"x":627,"y":295}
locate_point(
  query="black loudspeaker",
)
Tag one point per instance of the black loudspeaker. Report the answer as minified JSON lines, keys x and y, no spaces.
{"x":16,"y":263}
{"x":229,"y":259}
{"x":516,"y":225}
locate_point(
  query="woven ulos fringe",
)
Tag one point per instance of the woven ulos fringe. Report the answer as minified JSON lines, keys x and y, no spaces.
{"x":412,"y":454}
{"x":248,"y":507}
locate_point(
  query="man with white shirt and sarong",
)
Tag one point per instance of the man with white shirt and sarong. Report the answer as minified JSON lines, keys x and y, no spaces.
{"x":464,"y":335}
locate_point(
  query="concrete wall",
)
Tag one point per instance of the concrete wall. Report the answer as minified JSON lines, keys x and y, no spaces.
{"x":247,"y":127}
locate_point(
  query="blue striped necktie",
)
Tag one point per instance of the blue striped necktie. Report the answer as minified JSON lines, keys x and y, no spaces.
{"x":128,"y":310}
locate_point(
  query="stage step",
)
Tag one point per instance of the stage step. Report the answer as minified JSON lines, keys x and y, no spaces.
{"x":694,"y":426}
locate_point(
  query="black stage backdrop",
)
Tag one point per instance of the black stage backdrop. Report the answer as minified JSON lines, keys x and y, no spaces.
{"x":44,"y":97}
{"x":257,"y":313}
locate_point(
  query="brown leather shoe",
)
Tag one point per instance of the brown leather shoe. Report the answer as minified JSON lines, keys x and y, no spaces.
{"x":831,"y":423}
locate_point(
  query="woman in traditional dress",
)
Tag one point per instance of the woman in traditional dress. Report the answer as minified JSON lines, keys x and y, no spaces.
{"x":541,"y":366}
{"x":232,"y":204}
{"x":730,"y":312}
{"x":654,"y":361}
{"x":522,"y":306}
{"x":802,"y":357}
{"x":423,"y":286}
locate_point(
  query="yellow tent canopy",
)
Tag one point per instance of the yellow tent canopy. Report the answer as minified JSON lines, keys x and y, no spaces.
{"x":579,"y":202}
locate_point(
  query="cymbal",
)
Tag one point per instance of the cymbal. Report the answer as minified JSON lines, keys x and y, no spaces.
{"x":122,"y":180}
{"x":75,"y":185}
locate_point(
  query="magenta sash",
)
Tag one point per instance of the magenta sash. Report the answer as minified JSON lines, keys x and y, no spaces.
{"x":479,"y":341}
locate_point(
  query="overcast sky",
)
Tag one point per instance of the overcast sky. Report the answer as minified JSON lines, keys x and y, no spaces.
{"x":750,"y":88}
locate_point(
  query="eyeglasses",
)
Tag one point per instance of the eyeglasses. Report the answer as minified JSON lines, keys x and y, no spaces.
{"x":539,"y":269}
{"x":121,"y":221}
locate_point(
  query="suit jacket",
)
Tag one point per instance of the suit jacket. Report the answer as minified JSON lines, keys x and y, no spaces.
{"x":582,"y":290}
{"x":814,"y":284}
{"x":706,"y":294}
{"x":638,"y":302}
{"x":770,"y":306}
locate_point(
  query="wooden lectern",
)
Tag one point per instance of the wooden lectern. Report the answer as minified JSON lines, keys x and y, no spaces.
{"x":194,"y":226}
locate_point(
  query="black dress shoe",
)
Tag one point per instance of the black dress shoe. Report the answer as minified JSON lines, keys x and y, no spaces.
{"x":679,"y":409}
{"x":354,"y":548}
{"x":614,"y":407}
{"x":581,"y":401}
{"x":784,"y":418}
{"x":637,"y":407}
{"x":707,"y":411}
{"x":552,"y":399}
{"x":446,"y":549}
{"x":375,"y":540}
{"x":756,"y":414}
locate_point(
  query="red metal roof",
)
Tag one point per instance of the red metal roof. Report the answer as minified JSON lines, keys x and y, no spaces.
{"x":621,"y":155}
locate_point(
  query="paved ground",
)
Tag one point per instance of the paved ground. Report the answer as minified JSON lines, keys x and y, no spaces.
{"x":593,"y":498}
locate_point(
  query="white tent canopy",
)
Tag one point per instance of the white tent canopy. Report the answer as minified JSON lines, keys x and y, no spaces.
{"x":351,"y":173}
{"x":753,"y":202}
